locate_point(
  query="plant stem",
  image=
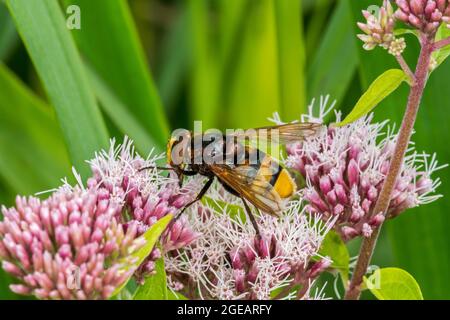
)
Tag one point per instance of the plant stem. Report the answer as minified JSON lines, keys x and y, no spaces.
{"x":443,"y":43}
{"x":406,"y":69}
{"x":382,"y":204}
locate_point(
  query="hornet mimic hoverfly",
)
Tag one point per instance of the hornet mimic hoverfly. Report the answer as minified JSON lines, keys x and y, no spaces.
{"x":245,"y":171}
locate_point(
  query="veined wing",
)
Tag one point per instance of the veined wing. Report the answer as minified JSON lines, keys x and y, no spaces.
{"x":251,"y":185}
{"x":281,"y":134}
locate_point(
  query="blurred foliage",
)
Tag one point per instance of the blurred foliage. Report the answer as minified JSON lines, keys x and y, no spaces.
{"x":144,"y":67}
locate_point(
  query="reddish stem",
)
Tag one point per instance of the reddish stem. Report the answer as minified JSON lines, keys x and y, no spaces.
{"x":382,"y":205}
{"x":442,"y":43}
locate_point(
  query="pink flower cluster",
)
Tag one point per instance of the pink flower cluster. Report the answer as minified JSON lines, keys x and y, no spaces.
{"x":77,"y":243}
{"x":345,"y":168}
{"x":229,"y":261}
{"x":146,"y":195}
{"x":69,"y":246}
{"x":425,"y":15}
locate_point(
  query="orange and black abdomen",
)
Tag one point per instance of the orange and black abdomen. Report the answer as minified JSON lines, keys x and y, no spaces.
{"x":278,"y":177}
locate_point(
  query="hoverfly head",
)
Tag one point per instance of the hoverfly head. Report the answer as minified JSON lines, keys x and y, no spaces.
{"x":178,"y":149}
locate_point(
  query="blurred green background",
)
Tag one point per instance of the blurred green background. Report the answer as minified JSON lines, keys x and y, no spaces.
{"x":145,"y":67}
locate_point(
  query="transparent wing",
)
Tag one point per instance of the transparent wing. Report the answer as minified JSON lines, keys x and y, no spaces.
{"x":252,"y":186}
{"x":282,"y":134}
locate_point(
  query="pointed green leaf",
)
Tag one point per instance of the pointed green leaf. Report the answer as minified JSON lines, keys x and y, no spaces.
{"x":155,"y":286}
{"x":393,"y":284}
{"x":382,"y":87}
{"x":151,"y":236}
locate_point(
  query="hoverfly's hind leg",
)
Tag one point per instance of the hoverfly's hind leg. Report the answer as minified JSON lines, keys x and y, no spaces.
{"x":198,"y":197}
{"x":251,"y":217}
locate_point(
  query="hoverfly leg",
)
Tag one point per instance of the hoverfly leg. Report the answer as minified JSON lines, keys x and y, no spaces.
{"x":252,"y":218}
{"x":158,"y":168}
{"x":197,"y":198}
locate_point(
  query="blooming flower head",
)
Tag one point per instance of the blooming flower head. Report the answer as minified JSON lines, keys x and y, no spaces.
{"x":345,"y":167}
{"x":229,"y":261}
{"x":424,"y":15}
{"x":146,"y":195}
{"x":75,"y":244}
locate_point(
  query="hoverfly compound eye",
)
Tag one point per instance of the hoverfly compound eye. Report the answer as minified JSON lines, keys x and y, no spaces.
{"x":176,"y":147}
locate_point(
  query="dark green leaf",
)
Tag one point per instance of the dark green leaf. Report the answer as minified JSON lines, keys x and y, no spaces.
{"x":334,"y":64}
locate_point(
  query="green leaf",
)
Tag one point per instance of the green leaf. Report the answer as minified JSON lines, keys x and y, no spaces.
{"x":175,"y":296}
{"x":443,"y":53}
{"x":252,"y":92}
{"x":382,"y":87}
{"x":34,"y":157}
{"x":204,"y":83}
{"x":43,"y":30}
{"x":155,"y":286}
{"x":334,"y":248}
{"x":291,"y":58}
{"x":219,"y":206}
{"x":175,"y":63}
{"x":403,"y":31}
{"x":109,"y":40}
{"x":8,"y":35}
{"x":393,"y":284}
{"x":119,"y":114}
{"x":151,"y":236}
{"x":328,"y":73}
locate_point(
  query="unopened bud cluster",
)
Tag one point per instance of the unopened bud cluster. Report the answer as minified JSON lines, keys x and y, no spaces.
{"x":379,"y":30}
{"x":424,"y":15}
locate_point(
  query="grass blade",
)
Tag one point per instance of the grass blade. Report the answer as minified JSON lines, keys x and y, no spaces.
{"x":291,"y":58}
{"x":43,"y":29}
{"x":253,"y":91}
{"x":204,"y":86}
{"x":8,"y":35}
{"x":109,"y":40}
{"x":118,"y":112}
{"x":328,"y":74}
{"x":34,"y":157}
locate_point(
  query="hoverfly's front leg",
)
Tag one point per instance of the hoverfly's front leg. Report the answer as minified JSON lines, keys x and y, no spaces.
{"x":251,"y":217}
{"x":180,"y":172}
{"x":198,"y":197}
